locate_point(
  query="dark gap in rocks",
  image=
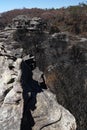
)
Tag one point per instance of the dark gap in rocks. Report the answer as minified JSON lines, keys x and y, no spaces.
{"x":6,"y":92}
{"x":17,"y":102}
{"x":43,"y":85}
{"x":31,"y":63}
{"x":11,"y":67}
{"x":11,"y":81}
{"x":30,"y":90}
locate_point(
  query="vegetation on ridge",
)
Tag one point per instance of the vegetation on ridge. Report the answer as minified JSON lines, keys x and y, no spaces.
{"x":72,"y":18}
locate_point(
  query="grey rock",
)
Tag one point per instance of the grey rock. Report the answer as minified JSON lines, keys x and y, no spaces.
{"x":37,"y":75}
{"x":23,"y":103}
{"x":12,"y":97}
{"x":49,"y":115}
{"x":17,"y":88}
{"x":28,"y":57}
{"x":11,"y":104}
{"x":10,"y":117}
{"x":23,"y":21}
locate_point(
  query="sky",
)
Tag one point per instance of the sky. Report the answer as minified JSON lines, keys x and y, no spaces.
{"x":6,"y":5}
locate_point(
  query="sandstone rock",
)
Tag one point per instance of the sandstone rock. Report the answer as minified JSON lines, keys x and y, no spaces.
{"x":49,"y":115}
{"x":17,"y":63}
{"x":23,"y":103}
{"x":17,"y":88}
{"x":12,"y":97}
{"x":6,"y":76}
{"x":11,"y":105}
{"x":32,"y":24}
{"x":10,"y":117}
{"x":37,"y":75}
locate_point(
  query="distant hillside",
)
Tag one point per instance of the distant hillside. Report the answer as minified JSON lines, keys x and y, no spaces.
{"x":72,"y":19}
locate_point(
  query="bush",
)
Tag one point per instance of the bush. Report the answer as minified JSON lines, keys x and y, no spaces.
{"x":54,"y":29}
{"x":20,"y":34}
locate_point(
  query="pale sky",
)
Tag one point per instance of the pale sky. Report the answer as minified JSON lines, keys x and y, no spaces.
{"x":6,"y":5}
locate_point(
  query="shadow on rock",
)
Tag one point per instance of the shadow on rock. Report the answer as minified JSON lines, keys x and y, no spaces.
{"x":30,"y":90}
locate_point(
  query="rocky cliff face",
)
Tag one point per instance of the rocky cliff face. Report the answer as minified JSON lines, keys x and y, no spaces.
{"x":57,"y":63}
{"x":10,"y":91}
{"x":25,"y":103}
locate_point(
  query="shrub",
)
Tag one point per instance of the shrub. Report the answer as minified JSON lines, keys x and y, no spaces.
{"x":54,"y":29}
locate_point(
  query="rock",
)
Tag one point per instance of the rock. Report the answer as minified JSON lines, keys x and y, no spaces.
{"x":6,"y":76}
{"x":17,"y":52}
{"x":28,"y":57}
{"x":17,"y":88}
{"x":49,"y":115}
{"x":17,"y":63}
{"x":24,"y":22}
{"x":10,"y":117}
{"x":37,"y":75}
{"x":24,"y":103}
{"x":12,"y":97}
{"x":11,"y":104}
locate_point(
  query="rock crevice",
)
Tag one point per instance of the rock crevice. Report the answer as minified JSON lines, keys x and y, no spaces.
{"x":26,"y":103}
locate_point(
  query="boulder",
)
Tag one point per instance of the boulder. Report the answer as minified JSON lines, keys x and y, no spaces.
{"x":49,"y":115}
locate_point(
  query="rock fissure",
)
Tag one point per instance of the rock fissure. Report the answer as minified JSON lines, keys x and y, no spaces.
{"x":51,"y":123}
{"x":29,"y":104}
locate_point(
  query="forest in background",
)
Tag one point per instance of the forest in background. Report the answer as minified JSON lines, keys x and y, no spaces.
{"x":72,"y":19}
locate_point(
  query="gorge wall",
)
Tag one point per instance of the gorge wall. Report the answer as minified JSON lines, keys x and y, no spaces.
{"x":56,"y":64}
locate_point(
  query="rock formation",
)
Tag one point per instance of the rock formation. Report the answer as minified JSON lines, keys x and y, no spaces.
{"x":10,"y":91}
{"x":25,"y":101}
{"x":32,"y":24}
